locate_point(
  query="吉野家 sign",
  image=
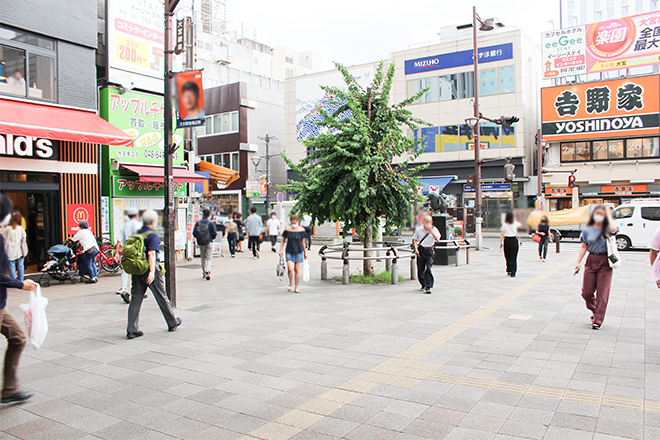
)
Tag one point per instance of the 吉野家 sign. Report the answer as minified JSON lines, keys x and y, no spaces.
{"x":621,"y":107}
{"x":132,"y":187}
{"x":615,"y":44}
{"x":140,"y":115}
{"x":78,"y":212}
{"x":29,"y":147}
{"x":190,"y":99}
{"x":457,"y":59}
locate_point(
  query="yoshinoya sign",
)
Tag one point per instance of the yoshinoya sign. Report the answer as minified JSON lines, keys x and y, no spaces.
{"x":456,"y":59}
{"x":621,"y":107}
{"x":29,"y":147}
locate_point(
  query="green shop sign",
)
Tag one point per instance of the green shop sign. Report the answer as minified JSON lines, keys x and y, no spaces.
{"x":132,"y":187}
{"x":140,"y":115}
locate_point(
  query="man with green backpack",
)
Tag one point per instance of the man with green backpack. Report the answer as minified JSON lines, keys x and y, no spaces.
{"x":140,"y":260}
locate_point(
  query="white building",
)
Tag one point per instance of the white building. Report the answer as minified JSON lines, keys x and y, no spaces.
{"x":576,"y":12}
{"x":509,"y":75}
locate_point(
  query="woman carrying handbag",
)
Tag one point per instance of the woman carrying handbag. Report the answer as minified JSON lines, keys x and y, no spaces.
{"x":597,"y":279}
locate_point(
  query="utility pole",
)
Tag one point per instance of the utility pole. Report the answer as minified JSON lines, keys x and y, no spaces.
{"x":169,"y":220}
{"x":477,"y":138}
{"x":539,"y":167}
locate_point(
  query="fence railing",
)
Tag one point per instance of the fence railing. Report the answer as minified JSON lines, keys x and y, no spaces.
{"x":389,"y":252}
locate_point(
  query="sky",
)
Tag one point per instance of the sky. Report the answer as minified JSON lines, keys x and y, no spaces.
{"x":359,"y":31}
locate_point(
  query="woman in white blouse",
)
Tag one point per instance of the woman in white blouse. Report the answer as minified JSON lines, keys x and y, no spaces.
{"x":509,"y":240}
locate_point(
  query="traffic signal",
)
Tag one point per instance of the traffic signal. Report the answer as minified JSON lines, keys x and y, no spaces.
{"x":508,"y":172}
{"x":470,"y":180}
{"x":571,"y":181}
{"x":508,"y":121}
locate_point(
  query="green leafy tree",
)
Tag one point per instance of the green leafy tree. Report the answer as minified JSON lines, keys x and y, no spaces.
{"x":349,"y":174}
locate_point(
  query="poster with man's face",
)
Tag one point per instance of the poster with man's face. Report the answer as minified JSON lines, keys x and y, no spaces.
{"x":190,"y":99}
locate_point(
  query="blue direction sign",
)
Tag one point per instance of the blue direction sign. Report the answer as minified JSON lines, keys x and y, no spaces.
{"x":489,"y":187}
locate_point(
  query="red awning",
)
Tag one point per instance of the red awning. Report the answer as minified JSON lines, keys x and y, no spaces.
{"x":157,"y":174}
{"x":48,"y":121}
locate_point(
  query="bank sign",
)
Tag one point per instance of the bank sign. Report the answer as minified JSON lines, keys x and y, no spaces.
{"x":141,"y":116}
{"x":457,"y":59}
{"x":602,"y":109}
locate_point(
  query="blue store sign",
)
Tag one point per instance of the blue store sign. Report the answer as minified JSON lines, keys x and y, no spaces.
{"x":489,"y":187}
{"x":456,"y":59}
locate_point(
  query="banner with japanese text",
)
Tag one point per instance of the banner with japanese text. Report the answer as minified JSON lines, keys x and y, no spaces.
{"x":132,"y":187}
{"x":602,"y":109}
{"x":621,"y":43}
{"x":141,"y":115}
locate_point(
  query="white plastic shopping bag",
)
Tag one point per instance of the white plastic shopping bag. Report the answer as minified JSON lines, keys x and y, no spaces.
{"x":35,"y":317}
{"x":305,"y":274}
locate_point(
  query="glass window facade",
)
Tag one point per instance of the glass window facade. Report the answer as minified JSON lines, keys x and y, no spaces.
{"x":459,"y":137}
{"x":27,"y":65}
{"x":488,"y":82}
{"x":221,"y":123}
{"x":615,"y":149}
{"x":506,"y":79}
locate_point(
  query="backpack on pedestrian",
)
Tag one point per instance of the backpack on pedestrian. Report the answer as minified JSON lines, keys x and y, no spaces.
{"x":202,"y":233}
{"x":133,"y":258}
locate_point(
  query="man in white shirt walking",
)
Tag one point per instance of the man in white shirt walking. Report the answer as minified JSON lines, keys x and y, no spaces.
{"x":424,"y":240}
{"x":274,"y":229}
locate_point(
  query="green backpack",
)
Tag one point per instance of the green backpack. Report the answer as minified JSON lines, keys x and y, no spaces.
{"x":133,"y":258}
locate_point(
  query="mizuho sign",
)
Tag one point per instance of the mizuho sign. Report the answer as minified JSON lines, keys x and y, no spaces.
{"x":28,"y":147}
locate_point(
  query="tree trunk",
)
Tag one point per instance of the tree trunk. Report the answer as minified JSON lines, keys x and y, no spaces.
{"x":368,"y":267}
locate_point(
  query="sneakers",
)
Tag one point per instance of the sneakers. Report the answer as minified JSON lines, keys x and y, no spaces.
{"x":207,"y":275}
{"x":19,"y":397}
{"x":120,"y":291}
{"x":427,"y":290}
{"x":258,"y":254}
{"x":126,"y":297}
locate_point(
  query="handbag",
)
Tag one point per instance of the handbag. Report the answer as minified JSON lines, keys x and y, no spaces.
{"x":24,"y":248}
{"x":536,"y":238}
{"x":613,"y":257}
{"x":280,"y":270}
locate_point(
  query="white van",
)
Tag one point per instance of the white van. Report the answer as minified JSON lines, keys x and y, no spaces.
{"x":637,"y":221}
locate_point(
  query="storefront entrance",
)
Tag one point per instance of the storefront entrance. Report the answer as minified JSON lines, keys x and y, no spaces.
{"x":38,"y":198}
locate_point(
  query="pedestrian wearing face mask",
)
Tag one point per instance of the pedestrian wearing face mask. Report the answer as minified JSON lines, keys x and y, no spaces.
{"x":544,"y":232}
{"x":597,"y":279}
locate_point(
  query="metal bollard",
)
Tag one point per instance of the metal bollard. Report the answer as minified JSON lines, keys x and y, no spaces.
{"x":413,"y":268}
{"x":557,"y":246}
{"x":324,"y":269}
{"x":388,"y":264}
{"x":467,"y":254}
{"x":395,"y":272}
{"x":345,"y":273}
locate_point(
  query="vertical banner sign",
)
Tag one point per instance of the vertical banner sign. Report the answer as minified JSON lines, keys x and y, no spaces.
{"x":190,"y":99}
{"x":564,"y":52}
{"x":78,"y":212}
{"x":178,"y":48}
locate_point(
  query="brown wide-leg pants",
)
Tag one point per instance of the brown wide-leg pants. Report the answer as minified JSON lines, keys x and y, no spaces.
{"x":15,"y":344}
{"x":597,"y":279}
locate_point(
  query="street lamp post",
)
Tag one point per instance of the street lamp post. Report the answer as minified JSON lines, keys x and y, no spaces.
{"x":170,"y":275}
{"x":486,"y":25}
{"x":267,"y":140}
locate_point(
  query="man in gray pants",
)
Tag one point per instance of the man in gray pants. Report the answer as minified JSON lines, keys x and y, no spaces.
{"x":152,"y":279}
{"x":205,"y":232}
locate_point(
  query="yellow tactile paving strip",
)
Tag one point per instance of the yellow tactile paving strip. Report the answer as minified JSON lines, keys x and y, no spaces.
{"x":406,"y":370}
{"x":610,"y":400}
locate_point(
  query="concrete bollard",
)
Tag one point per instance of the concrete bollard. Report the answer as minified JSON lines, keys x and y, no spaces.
{"x":345,"y":273}
{"x":324,"y":269}
{"x":395,"y":272}
{"x":413,"y":268}
{"x":388,"y":265}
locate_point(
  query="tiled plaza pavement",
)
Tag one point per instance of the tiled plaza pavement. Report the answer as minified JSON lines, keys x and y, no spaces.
{"x":483,"y":357}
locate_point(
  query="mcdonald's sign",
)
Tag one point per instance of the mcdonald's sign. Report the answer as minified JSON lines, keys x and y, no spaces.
{"x":78,"y":212}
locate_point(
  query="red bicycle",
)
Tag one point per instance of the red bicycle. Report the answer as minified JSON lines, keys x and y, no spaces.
{"x":109,"y":257}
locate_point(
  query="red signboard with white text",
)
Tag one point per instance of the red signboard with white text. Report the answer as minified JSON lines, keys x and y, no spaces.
{"x":77,"y":212}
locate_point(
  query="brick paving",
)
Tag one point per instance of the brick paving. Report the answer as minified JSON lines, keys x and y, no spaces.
{"x":484,"y":357}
